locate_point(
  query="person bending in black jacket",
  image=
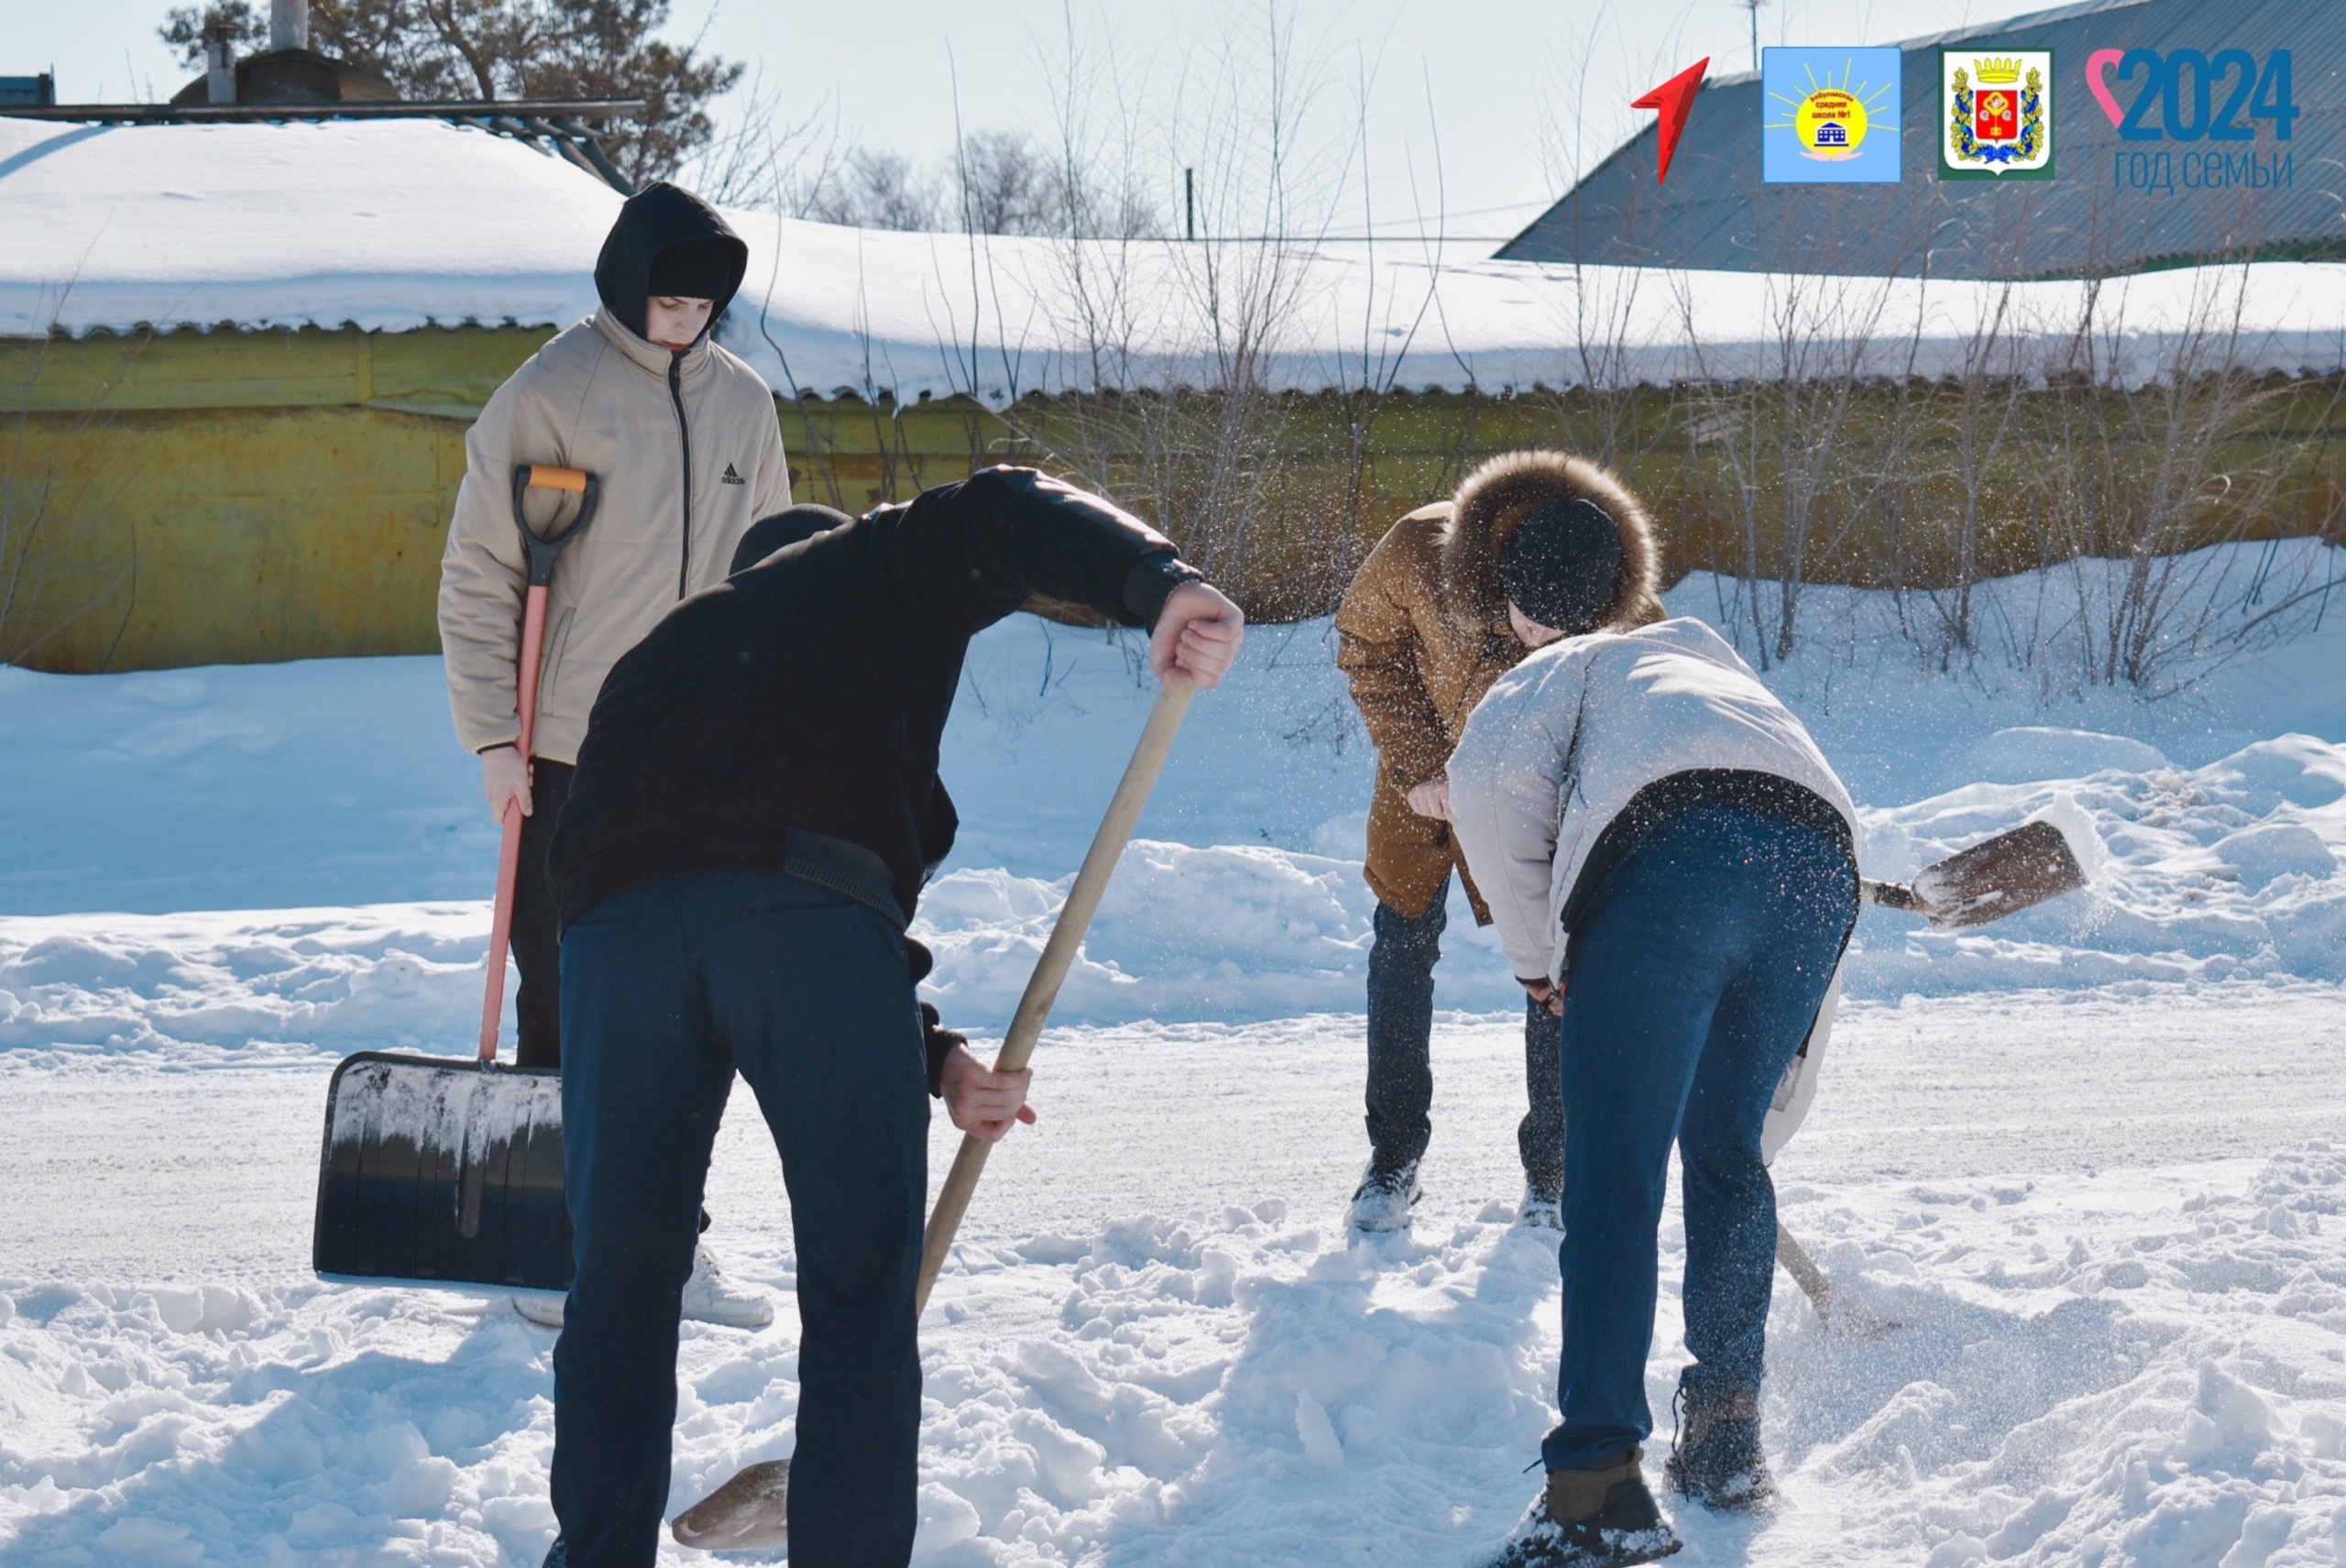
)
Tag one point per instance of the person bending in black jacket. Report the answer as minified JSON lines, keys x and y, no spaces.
{"x":755,"y":809}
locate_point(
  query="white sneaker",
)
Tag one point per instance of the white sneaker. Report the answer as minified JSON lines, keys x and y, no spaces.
{"x":1385,"y":1197}
{"x":1538,"y":1212}
{"x":709,"y":1298}
{"x":542,"y":1307}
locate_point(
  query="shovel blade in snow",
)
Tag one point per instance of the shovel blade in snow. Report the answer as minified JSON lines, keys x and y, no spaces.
{"x":749,"y":1513}
{"x":443,"y":1171}
{"x":1999,"y":876}
{"x":1995,"y":877}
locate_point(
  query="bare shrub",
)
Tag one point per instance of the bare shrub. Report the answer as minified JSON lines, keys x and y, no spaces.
{"x":2156,"y":463}
{"x":1776,"y":426}
{"x":877,"y":189}
{"x":764,"y":160}
{"x":1192,"y":433}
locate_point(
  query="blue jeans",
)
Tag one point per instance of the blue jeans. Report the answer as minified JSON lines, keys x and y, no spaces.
{"x":667,"y":992}
{"x":1401,"y":1039}
{"x":1692,"y":979}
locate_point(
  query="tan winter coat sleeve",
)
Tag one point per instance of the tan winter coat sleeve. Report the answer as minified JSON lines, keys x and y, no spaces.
{"x":483,"y":575}
{"x":1379,"y":650}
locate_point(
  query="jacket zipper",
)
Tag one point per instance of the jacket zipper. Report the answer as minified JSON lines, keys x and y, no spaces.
{"x":684,"y":440}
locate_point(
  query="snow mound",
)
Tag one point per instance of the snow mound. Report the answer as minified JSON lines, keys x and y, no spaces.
{"x":2262,"y":854}
{"x":394,"y":977}
{"x":2211,"y":834}
{"x":1185,"y":934}
{"x":2118,"y":1397}
{"x":2204,"y":873}
{"x":2226,"y":872}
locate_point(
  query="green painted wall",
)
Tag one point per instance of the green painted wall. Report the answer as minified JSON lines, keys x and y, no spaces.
{"x":227,"y":496}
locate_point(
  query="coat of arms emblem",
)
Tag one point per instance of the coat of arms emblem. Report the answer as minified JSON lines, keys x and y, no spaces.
{"x":1996,"y":119}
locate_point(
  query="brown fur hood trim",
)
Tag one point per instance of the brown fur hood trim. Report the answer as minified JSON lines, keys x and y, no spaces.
{"x":1493,"y":502}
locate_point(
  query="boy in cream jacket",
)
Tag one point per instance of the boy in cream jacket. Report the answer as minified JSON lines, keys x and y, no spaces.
{"x":683,"y":437}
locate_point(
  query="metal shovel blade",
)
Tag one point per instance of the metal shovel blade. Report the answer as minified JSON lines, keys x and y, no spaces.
{"x":749,"y":1513}
{"x":443,"y":1171}
{"x":1999,"y":876}
{"x":1995,"y":877}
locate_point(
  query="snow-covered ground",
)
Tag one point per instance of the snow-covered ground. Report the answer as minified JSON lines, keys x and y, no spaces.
{"x":2090,"y":1164}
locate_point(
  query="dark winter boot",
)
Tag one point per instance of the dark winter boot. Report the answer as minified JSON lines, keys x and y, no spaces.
{"x":1385,"y":1197}
{"x":1542,"y":1208}
{"x":1603,"y":1518}
{"x":1715,"y":1458}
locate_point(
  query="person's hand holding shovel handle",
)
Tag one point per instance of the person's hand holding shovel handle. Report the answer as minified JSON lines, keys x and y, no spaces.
{"x":505,"y":780}
{"x":981,"y":1102}
{"x":1197,"y":637}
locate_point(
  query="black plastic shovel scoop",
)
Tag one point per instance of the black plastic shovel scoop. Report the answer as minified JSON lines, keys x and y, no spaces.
{"x":448,"y":1172}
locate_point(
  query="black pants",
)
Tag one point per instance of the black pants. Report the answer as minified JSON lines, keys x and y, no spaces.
{"x":537,"y":1001}
{"x":670,"y":990}
{"x":1400,"y":1036}
{"x":537,"y":1005}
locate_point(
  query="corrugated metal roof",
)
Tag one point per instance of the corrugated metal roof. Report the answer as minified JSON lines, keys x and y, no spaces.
{"x":2112,"y":205}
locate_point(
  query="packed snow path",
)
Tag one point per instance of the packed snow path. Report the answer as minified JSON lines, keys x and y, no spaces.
{"x":2113,"y":1229}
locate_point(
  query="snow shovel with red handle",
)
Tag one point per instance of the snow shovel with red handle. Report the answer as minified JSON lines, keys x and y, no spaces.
{"x":750,"y":1512}
{"x":439,"y":1171}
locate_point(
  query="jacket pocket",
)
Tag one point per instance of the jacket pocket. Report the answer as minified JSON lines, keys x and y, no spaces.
{"x":549,"y":659}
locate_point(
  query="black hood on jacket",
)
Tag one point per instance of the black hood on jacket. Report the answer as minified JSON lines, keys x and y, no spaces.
{"x":653,"y":219}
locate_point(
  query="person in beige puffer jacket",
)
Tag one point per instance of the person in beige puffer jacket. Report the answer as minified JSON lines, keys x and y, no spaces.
{"x":1423,"y":634}
{"x":683,"y":439}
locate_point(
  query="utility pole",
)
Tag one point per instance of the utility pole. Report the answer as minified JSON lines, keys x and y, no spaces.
{"x":1753,"y":6}
{"x":1190,"y":203}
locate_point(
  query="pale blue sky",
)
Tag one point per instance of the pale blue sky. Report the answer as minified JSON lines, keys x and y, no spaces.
{"x":1498,"y":80}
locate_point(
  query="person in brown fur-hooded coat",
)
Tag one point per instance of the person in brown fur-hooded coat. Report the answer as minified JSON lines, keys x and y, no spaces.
{"x":1424,"y":632}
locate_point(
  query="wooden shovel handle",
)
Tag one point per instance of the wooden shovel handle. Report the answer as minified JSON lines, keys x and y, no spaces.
{"x":1804,"y":1272}
{"x":1058,"y":957}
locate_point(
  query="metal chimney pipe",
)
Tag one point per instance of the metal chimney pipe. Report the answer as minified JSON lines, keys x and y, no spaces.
{"x":219,"y":64}
{"x":289,"y":23}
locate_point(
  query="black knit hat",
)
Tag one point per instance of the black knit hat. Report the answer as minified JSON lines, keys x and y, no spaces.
{"x":1558,"y":565}
{"x":707,"y":267}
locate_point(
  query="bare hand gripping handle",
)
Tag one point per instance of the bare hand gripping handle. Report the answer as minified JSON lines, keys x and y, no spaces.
{"x":1058,"y":957}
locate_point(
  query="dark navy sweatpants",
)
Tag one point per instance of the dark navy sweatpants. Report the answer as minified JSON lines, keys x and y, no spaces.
{"x":1693,"y":976}
{"x":668,"y":990}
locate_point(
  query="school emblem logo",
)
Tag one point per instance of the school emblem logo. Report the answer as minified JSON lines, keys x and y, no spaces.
{"x":1831,"y":116}
{"x":1996,"y":113}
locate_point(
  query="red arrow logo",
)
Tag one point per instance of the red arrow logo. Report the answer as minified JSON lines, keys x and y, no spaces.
{"x":1675,"y":99}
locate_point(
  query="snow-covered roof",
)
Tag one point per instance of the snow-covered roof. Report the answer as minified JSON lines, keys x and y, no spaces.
{"x":387,"y":226}
{"x":395,"y":226}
